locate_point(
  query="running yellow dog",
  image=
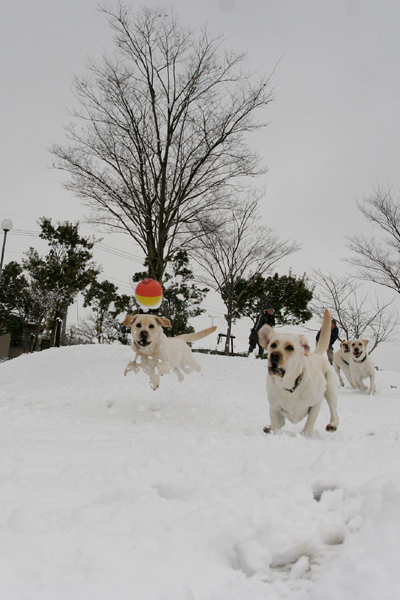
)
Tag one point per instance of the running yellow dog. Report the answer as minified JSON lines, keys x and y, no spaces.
{"x":298,"y":381}
{"x":157,"y":354}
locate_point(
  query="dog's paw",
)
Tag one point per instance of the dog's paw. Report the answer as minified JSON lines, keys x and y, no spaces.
{"x":155,"y":384}
{"x":267,"y":429}
{"x":330,"y":428}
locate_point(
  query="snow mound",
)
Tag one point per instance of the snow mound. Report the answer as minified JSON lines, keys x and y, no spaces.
{"x":110,"y":490}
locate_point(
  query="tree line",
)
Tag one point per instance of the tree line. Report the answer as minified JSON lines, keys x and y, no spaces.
{"x":35,"y":296}
{"x":36,"y":293}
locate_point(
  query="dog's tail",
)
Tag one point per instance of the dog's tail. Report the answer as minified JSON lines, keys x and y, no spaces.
{"x":193,"y":337}
{"x":325,"y":334}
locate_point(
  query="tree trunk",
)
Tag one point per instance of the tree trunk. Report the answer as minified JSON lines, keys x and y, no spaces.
{"x":58,"y":332}
{"x":228,"y":334}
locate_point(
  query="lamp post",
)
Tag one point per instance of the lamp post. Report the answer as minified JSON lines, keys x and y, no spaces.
{"x":6,"y":225}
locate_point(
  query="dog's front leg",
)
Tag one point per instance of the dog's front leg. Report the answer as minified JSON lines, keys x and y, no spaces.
{"x":277,"y":419}
{"x":131,"y":366}
{"x":154,"y":375}
{"x":331,"y":398}
{"x":148,"y":365}
{"x":360,"y":384}
{"x":154,"y":381}
{"x":351,"y":382}
{"x":372,"y":387}
{"x":311,"y":418}
{"x":337,"y":371}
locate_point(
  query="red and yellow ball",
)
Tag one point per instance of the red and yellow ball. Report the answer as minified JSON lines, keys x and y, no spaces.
{"x":149,"y":294}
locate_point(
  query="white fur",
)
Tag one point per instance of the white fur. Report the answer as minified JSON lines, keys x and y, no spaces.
{"x":361,"y":366}
{"x":341,"y":362}
{"x":289,"y":359}
{"x":155,"y":353}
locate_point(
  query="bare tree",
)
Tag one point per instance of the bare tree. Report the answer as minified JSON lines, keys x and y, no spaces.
{"x":357,"y":317}
{"x":237,"y":249}
{"x":47,"y":300}
{"x":162,"y":130}
{"x":379,"y":262}
{"x":84,"y":332}
{"x":90,"y":331}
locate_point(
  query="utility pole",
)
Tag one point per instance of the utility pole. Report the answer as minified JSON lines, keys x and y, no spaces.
{"x":6,"y":225}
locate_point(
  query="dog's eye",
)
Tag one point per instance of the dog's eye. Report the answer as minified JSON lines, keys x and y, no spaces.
{"x":138,"y":325}
{"x":273,"y":345}
{"x":289,"y":348}
{"x":151,"y":326}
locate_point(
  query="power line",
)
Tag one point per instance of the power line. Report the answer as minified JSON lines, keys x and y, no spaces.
{"x":122,"y":284}
{"x":18,"y":216}
{"x":24,"y":232}
{"x":99,"y":245}
{"x":117,"y":252}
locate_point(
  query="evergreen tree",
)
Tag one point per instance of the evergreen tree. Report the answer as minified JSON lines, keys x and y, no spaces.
{"x":107,"y":304}
{"x":99,"y":295}
{"x":288,"y":294}
{"x":66,"y":270}
{"x":40,"y":290}
{"x":18,"y":307}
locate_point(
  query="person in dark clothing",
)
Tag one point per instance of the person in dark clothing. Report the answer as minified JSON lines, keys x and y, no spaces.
{"x":266,"y":317}
{"x":334,"y":337}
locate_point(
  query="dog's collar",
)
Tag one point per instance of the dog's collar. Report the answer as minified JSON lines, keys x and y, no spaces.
{"x":361,"y":361}
{"x":345,"y":362}
{"x":296,"y":383}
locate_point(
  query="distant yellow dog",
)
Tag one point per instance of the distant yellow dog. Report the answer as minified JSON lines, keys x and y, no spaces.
{"x":157,"y":353}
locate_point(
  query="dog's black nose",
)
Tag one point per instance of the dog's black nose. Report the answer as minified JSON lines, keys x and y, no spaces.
{"x":143,"y":335}
{"x":274,"y":358}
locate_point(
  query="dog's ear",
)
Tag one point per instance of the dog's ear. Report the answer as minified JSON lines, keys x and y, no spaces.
{"x":163,"y":321}
{"x":365,"y":342}
{"x":304,"y":345}
{"x":264,"y":335}
{"x":129,"y":319}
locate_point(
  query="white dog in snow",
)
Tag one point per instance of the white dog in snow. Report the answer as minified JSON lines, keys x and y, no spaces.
{"x":361,"y":365}
{"x":298,"y":380}
{"x":155,"y":353}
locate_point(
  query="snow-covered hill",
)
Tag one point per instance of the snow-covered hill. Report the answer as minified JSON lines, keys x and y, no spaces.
{"x":111,"y":491}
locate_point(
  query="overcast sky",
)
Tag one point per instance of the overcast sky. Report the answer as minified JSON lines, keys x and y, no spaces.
{"x":333,"y":132}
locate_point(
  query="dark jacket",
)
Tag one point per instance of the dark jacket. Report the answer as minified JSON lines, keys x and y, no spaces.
{"x":262,"y":319}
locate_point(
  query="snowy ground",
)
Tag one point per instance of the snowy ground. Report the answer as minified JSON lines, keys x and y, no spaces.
{"x":111,"y":491}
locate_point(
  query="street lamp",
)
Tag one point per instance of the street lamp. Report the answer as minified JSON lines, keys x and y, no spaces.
{"x":6,"y":225}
